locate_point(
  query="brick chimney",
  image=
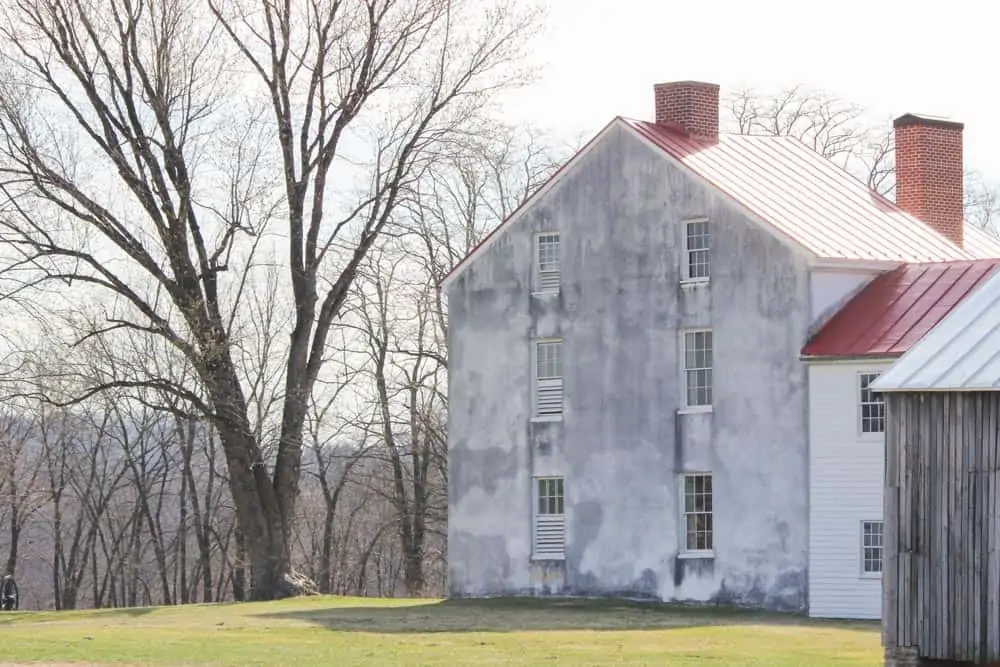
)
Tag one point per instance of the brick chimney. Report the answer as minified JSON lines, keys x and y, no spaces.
{"x":929,"y":172}
{"x":693,"y":105}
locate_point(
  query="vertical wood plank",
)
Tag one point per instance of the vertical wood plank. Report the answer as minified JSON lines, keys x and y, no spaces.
{"x":990,"y":436}
{"x":905,"y":527}
{"x":921,"y":522}
{"x":954,"y":545}
{"x":935,"y":551}
{"x":890,"y":513}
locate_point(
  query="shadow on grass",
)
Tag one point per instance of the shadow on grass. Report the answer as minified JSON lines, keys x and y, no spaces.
{"x":535,"y":614}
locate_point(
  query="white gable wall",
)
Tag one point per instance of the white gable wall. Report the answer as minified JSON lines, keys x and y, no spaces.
{"x":845,"y":489}
{"x":830,"y":289}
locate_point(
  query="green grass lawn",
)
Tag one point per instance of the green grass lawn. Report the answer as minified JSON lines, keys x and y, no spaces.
{"x":356,"y":631}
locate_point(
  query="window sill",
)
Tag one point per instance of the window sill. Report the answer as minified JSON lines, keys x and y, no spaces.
{"x":695,"y":410}
{"x":545,"y":419}
{"x":537,"y":558}
{"x":694,"y":555}
{"x":694,"y":283}
{"x":545,"y":294}
{"x":871,"y":576}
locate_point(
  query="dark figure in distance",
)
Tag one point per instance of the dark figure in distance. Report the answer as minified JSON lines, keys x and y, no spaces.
{"x":8,"y":593}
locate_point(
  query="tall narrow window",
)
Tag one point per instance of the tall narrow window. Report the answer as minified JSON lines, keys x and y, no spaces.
{"x":697,"y":245}
{"x":872,"y":405}
{"x":871,"y":547}
{"x":548,"y":268}
{"x":697,"y":517}
{"x":698,"y":368}
{"x":549,"y":538}
{"x":548,"y":378}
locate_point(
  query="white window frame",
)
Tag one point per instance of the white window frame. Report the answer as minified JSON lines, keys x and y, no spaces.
{"x":686,"y":276}
{"x":861,"y":403}
{"x":553,"y":275}
{"x":684,"y":551}
{"x":865,"y":574}
{"x":554,"y":384}
{"x":551,"y":524}
{"x":685,"y":406}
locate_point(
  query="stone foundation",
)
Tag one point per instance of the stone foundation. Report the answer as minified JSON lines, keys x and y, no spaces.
{"x":902,"y":656}
{"x":907,"y":656}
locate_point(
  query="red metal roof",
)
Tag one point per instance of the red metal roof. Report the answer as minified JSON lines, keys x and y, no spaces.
{"x":897,"y":308}
{"x":810,"y":199}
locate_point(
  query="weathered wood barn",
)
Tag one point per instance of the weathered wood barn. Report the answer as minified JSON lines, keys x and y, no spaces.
{"x":941,"y":578}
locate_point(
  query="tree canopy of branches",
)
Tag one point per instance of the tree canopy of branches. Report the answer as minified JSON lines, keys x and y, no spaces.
{"x":159,"y":158}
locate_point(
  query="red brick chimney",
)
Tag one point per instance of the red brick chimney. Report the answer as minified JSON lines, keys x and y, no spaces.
{"x":929,"y":172}
{"x":693,"y":105}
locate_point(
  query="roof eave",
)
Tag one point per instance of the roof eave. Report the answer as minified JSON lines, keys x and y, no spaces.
{"x":932,"y":390}
{"x":854,"y":264}
{"x":848,"y":358}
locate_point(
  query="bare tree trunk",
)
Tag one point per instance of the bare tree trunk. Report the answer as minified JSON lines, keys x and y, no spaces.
{"x":239,"y":571}
{"x":181,"y":566}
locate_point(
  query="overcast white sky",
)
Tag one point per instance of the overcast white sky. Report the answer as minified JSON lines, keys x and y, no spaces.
{"x":601,"y":58}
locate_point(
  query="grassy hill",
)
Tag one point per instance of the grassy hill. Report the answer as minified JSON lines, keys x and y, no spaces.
{"x":356,"y":631}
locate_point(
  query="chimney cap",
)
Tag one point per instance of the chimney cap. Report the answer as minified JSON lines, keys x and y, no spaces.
{"x":911,"y":119}
{"x":688,"y":82}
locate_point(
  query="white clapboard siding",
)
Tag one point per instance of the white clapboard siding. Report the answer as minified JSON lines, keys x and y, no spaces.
{"x":846,"y":471}
{"x":549,"y":397}
{"x":550,"y":536}
{"x":548,"y":281}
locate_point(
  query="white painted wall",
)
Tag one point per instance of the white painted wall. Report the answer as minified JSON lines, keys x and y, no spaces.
{"x":829,"y":290}
{"x":845,"y":488}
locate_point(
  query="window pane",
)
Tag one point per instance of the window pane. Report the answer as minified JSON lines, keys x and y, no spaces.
{"x":548,"y":252}
{"x":698,"y":243}
{"x":871,"y":547}
{"x":872,"y":405}
{"x":699,"y":387}
{"x":698,"y":512}
{"x":550,"y":495}
{"x":549,"y":360}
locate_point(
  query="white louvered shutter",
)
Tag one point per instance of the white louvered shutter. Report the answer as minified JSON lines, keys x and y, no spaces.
{"x":550,"y":536}
{"x":548,"y":379}
{"x":549,"y":531}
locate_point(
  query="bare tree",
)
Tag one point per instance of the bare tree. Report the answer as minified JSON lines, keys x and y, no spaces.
{"x":135,"y":86}
{"x":20,"y":482}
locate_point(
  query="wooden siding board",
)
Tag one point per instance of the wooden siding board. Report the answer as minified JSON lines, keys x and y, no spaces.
{"x":846,"y":488}
{"x":890,"y":506}
{"x":993,"y":568}
{"x":920,"y":528}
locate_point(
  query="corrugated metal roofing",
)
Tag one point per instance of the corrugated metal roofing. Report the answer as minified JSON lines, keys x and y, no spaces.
{"x":896,"y":309}
{"x":962,"y":353}
{"x":980,"y":243}
{"x":810,"y":199}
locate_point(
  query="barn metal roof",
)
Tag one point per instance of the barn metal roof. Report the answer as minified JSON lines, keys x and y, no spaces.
{"x":896,"y":309}
{"x":961,"y":353}
{"x":810,"y":199}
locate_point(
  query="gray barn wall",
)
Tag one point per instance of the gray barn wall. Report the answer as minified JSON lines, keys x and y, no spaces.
{"x":620,"y":447}
{"x":941,"y":581}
